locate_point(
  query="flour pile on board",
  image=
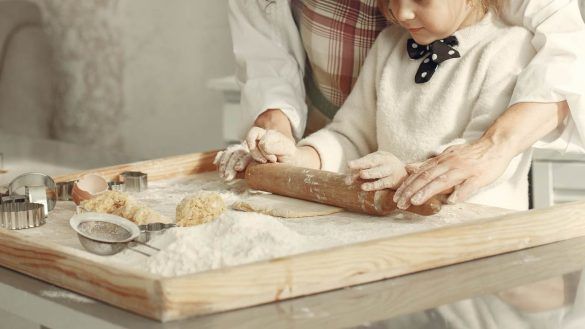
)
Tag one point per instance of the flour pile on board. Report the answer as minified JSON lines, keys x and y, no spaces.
{"x":228,"y":241}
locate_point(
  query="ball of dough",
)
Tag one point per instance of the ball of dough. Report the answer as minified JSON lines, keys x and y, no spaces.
{"x":199,"y":208}
{"x":111,"y":202}
{"x":121,"y":204}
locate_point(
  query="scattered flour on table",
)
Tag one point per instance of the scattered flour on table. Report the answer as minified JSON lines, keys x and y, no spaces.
{"x":233,"y":239}
{"x":236,"y":237}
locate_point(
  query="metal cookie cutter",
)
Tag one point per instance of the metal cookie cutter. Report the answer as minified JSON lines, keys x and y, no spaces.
{"x":19,"y":215}
{"x":65,"y":190}
{"x":134,"y":181}
{"x":39,"y":188}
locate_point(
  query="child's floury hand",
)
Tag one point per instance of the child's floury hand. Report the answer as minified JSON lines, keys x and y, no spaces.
{"x":232,"y":160}
{"x":383,"y":167}
{"x":270,"y":146}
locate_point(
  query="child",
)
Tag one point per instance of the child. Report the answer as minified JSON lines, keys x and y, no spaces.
{"x":458,"y":64}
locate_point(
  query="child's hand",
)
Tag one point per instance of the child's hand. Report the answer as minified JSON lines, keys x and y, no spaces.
{"x":383,"y":167}
{"x":232,"y":160}
{"x":270,"y":146}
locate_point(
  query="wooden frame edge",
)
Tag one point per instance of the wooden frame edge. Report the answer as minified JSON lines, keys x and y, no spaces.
{"x":310,"y":273}
{"x":163,"y":168}
{"x":61,"y":266}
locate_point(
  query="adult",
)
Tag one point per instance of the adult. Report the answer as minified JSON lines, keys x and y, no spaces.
{"x":297,"y":62}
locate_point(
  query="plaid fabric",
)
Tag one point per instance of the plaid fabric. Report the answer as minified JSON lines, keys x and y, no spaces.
{"x":337,"y":36}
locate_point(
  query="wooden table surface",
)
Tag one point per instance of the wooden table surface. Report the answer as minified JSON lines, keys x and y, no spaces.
{"x":395,"y":301}
{"x":520,"y":281}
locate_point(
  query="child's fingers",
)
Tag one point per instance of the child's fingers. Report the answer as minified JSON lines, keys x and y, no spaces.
{"x":383,"y":171}
{"x":243,"y":162}
{"x":351,"y":177}
{"x":254,"y":136}
{"x":265,"y":155}
{"x":223,"y":163}
{"x":257,"y":155}
{"x":218,"y":157}
{"x":276,"y":143}
{"x":230,"y":170}
{"x":366,"y":162}
{"x":389,"y":182}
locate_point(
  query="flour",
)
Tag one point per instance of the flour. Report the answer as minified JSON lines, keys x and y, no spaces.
{"x":233,"y":239}
{"x":237,"y":238}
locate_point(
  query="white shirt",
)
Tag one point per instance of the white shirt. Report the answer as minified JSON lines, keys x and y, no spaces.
{"x":390,"y":112}
{"x":271,"y":61}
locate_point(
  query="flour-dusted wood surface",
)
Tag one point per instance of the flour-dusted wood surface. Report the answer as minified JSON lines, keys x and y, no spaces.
{"x":170,"y":298}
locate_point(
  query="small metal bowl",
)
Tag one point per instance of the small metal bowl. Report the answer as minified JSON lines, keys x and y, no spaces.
{"x":103,"y":234}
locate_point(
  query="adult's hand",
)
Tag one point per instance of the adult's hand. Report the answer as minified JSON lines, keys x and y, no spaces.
{"x":467,"y":168}
{"x":464,"y":168}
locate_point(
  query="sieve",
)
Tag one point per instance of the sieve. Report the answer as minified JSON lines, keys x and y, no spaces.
{"x":105,"y":234}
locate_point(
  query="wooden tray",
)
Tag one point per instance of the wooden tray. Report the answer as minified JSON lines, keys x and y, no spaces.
{"x":225,"y":289}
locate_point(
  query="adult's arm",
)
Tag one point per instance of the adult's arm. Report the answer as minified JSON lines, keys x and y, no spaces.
{"x":497,"y":86}
{"x":270,"y":64}
{"x":546,"y":91}
{"x":557,"y":72}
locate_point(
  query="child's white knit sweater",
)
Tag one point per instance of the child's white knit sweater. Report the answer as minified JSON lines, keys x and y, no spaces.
{"x":388,"y":111}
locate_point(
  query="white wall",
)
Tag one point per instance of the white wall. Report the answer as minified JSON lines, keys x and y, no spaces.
{"x":131,"y":74}
{"x":172,"y":49}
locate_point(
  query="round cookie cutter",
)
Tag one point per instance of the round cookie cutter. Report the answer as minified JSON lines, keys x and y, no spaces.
{"x":39,"y":188}
{"x":21,"y":215}
{"x":134,"y":181}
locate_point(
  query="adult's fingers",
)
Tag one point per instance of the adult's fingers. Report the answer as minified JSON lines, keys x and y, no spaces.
{"x":440,"y":184}
{"x":415,"y":182}
{"x":412,"y":168}
{"x":422,"y":166}
{"x":465,"y":190}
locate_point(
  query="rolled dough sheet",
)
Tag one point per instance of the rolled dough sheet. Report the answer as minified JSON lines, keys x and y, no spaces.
{"x":280,"y":206}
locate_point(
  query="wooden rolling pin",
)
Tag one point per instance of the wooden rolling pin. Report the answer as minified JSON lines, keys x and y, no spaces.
{"x":327,"y":188}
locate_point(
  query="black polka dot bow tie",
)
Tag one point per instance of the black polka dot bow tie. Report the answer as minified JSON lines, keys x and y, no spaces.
{"x":437,"y":51}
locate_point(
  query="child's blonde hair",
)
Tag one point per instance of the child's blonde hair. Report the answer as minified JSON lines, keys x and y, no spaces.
{"x":483,"y":5}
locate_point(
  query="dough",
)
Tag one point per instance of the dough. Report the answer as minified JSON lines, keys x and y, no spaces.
{"x":199,"y":208}
{"x":280,"y":206}
{"x":110,"y":202}
{"x":121,"y":204}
